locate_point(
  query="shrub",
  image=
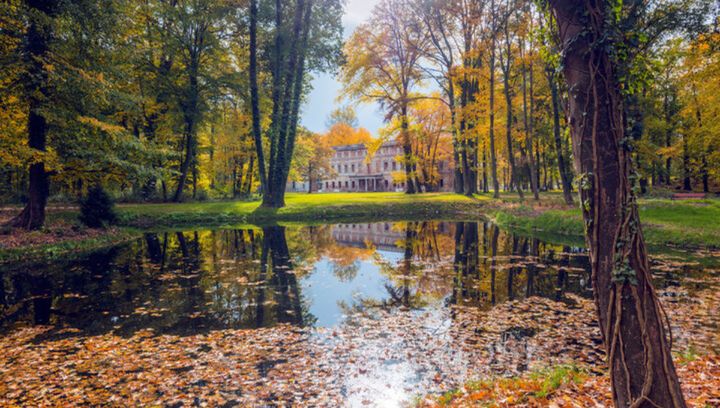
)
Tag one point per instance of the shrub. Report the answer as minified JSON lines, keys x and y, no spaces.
{"x":97,"y":209}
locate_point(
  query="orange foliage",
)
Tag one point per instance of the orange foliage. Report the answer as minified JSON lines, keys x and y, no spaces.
{"x":343,"y":134}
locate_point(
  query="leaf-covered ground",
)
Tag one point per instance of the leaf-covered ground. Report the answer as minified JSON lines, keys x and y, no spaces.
{"x":362,"y":362}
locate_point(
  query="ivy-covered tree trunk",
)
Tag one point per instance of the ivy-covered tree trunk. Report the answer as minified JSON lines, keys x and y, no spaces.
{"x":38,"y":35}
{"x":632,"y":320}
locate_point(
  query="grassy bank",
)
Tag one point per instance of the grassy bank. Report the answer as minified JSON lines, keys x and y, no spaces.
{"x":65,"y":247}
{"x":666,"y":222}
{"x":308,"y":208}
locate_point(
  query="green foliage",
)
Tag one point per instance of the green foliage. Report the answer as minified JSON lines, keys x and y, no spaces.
{"x":554,"y":377}
{"x":97,"y":209}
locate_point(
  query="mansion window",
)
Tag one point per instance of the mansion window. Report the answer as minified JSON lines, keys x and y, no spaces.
{"x":346,"y":168}
{"x":353,"y":168}
{"x":385,"y":166}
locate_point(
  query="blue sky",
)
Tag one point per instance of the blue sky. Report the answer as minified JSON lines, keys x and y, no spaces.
{"x":323,"y":98}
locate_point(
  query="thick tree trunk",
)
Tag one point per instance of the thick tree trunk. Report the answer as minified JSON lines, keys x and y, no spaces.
{"x":632,"y":321}
{"x":38,"y":35}
{"x":287,"y":89}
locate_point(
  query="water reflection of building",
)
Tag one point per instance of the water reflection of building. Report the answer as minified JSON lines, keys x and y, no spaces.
{"x":381,"y":235}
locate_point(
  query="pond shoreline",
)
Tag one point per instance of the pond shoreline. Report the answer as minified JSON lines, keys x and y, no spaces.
{"x":550,"y":218}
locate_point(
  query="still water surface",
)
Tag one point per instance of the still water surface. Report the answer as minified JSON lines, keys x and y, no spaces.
{"x":346,"y":282}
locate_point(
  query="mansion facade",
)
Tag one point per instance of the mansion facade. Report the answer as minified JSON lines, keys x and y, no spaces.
{"x":352,"y":171}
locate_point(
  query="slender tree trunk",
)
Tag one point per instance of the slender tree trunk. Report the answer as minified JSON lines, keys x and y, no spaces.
{"x":410,"y":187}
{"x":191,"y":117}
{"x":255,"y":98}
{"x":563,"y":167}
{"x":705,"y":175}
{"x":514,"y":181}
{"x":631,"y":318}
{"x":249,"y":179}
{"x":668,"y":137}
{"x":491,"y":109}
{"x":687,"y":185}
{"x":457,"y":173}
{"x":188,"y":157}
{"x":527,"y":119}
{"x":38,"y":35}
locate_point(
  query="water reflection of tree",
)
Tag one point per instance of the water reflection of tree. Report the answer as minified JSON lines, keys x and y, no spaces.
{"x":420,"y":276}
{"x":196,"y":281}
{"x":509,"y":267}
{"x":283,"y":280}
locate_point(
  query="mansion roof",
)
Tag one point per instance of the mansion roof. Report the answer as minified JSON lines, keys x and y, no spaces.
{"x":361,"y":146}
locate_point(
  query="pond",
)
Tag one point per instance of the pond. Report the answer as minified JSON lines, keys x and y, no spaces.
{"x":348,"y":314}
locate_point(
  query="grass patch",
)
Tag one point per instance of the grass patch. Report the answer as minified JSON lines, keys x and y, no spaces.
{"x":553,"y":378}
{"x":534,"y":388}
{"x":302,"y":207}
{"x":66,"y":249}
{"x":665,"y":222}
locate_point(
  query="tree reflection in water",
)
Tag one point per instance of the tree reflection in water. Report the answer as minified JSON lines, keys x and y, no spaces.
{"x":195,"y":281}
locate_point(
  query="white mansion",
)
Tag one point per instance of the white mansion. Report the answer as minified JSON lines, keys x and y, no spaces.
{"x":354,"y":173}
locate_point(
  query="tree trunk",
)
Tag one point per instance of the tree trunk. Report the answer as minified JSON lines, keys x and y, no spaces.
{"x":491,"y":108}
{"x":562,"y":165}
{"x":255,"y":98}
{"x":514,"y":182}
{"x":188,"y":147}
{"x":407,"y":151}
{"x":457,"y":173}
{"x":668,"y":137}
{"x":527,"y":119}
{"x":38,"y":35}
{"x":249,"y":179}
{"x":687,"y":185}
{"x":631,"y":317}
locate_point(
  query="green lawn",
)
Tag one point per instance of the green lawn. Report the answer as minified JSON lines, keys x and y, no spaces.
{"x":666,"y":222}
{"x":304,"y":207}
{"x":692,"y":222}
